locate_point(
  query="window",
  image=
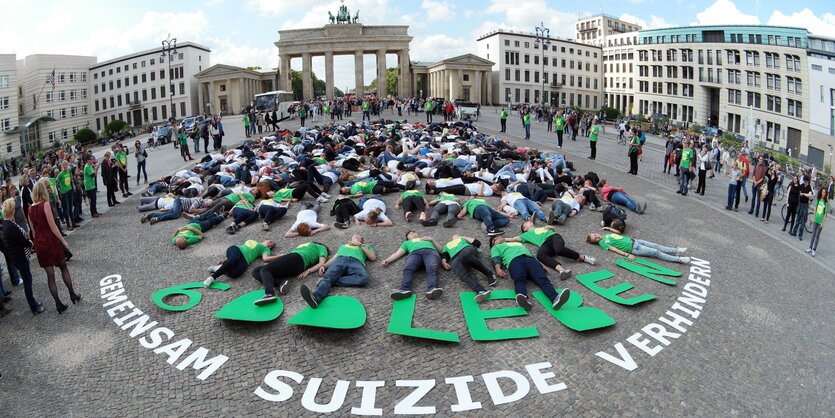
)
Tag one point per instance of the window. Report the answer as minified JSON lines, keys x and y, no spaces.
{"x":118,"y":84}
{"x":153,"y":93}
{"x":182,"y":88}
{"x":143,"y":64}
{"x":153,"y":76}
{"x":119,"y":100}
{"x":161,"y":74}
{"x":72,"y":94}
{"x":527,"y":76}
{"x":49,"y":95}
{"x":518,"y":75}
{"x":63,"y":113}
{"x":112,"y":102}
{"x":144,"y":79}
{"x":5,"y":124}
{"x":772,"y":132}
{"x":753,"y":100}
{"x":527,"y":59}
{"x":134,"y":65}
{"x":506,"y":74}
{"x":152,"y":61}
{"x":507,"y":42}
{"x":179,"y":57}
{"x":162,"y":90}
{"x":62,"y":95}
{"x":144,"y":95}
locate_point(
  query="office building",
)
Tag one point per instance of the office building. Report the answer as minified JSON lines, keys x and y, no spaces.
{"x":618,"y":72}
{"x":569,"y":72}
{"x":594,"y":30}
{"x":821,"y":55}
{"x":9,"y":109}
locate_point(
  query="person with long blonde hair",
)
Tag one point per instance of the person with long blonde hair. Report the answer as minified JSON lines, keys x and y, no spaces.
{"x":18,"y":247}
{"x":49,"y":243}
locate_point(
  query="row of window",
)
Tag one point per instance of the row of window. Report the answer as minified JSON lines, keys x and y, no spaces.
{"x":773,"y":103}
{"x":791,"y":41}
{"x":174,"y":74}
{"x":670,"y":89}
{"x":116,"y":101}
{"x":140,"y":117}
{"x":512,"y":58}
{"x":64,"y":133}
{"x":140,"y":64}
{"x":518,"y":77}
{"x":73,"y":77}
{"x":63,"y":113}
{"x":671,"y":109}
{"x":752,"y":58}
{"x":565,"y":99}
{"x":527,"y":45}
{"x":62,"y":95}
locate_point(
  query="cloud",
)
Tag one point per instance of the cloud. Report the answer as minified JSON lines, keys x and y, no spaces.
{"x":226,"y":51}
{"x":724,"y":12}
{"x":655,"y":22}
{"x":370,"y":12}
{"x":437,"y":9}
{"x":805,"y":19}
{"x":525,"y":15}
{"x":438,"y":47}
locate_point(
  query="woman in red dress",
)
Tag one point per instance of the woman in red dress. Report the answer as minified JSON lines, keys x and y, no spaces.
{"x":49,"y":244}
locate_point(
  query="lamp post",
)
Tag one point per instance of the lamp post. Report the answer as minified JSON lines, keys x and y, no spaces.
{"x":543,"y":39}
{"x":831,"y":171}
{"x":169,"y":48}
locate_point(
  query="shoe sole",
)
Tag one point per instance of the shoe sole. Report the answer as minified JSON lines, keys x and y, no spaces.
{"x":308,"y":297}
{"x":400,"y":296}
{"x":561,"y":299}
{"x":262,"y":302}
{"x":283,"y":288}
{"x":565,"y":275}
{"x":481,"y":297}
{"x":523,"y":301}
{"x":435,"y":293}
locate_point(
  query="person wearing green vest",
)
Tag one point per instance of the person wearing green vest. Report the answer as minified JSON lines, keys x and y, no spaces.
{"x":326,"y":110}
{"x":247,"y":122}
{"x":427,"y":108}
{"x":445,"y":203}
{"x":632,"y":248}
{"x":121,"y":157}
{"x":521,"y":266}
{"x":65,"y":190}
{"x":238,"y":259}
{"x":462,"y":254}
{"x":550,"y":244}
{"x":305,"y":259}
{"x":90,"y":169}
{"x":687,"y":155}
{"x":422,"y":254}
{"x":366,"y":105}
{"x":526,"y":122}
{"x":503,"y":119}
{"x":559,"y":126}
{"x":302,"y":113}
{"x":182,"y":139}
{"x":593,"y":133}
{"x":412,"y":201}
{"x":490,"y":218}
{"x":346,"y":268}
{"x":192,"y":232}
{"x":821,"y":210}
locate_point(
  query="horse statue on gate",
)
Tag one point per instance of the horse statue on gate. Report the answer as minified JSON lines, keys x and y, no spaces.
{"x":356,"y":16}
{"x":331,"y":17}
{"x":343,"y":16}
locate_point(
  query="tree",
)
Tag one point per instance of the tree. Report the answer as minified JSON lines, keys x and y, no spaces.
{"x":115,"y":126}
{"x":391,"y":82}
{"x":85,"y":136}
{"x":297,"y":81}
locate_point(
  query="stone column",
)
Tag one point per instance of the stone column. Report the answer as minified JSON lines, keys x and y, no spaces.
{"x":452,"y":79}
{"x":200,"y":98}
{"x":284,"y":82}
{"x":489,"y":83}
{"x":329,"y":74}
{"x":359,"y":74}
{"x":477,"y":88}
{"x":381,"y":73}
{"x":307,"y":79}
{"x":445,"y":84}
{"x":405,"y":79}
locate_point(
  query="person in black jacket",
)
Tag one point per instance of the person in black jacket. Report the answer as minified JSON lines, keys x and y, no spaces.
{"x":109,"y":175}
{"x":18,"y":247}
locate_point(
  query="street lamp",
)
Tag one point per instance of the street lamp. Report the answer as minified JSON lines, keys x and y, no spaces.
{"x":543,"y":39}
{"x":831,"y":171}
{"x":169,"y":48}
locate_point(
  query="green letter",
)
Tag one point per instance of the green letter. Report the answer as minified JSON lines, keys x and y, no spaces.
{"x":193,"y":296}
{"x":245,"y":309}
{"x":611,"y":293}
{"x":477,"y":318}
{"x":338,"y":312}
{"x":574,"y":316}
{"x":649,"y":270}
{"x":401,"y":323}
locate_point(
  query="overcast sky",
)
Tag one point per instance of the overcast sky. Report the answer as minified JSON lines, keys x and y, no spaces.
{"x":243,"y":32}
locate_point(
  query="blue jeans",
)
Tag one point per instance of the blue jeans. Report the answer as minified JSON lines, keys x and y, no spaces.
{"x":526,"y":207}
{"x":67,"y":208}
{"x":426,"y":259}
{"x":755,"y":200}
{"x":491,"y":217}
{"x":561,"y":208}
{"x":731,"y":195}
{"x":506,"y":170}
{"x":26,"y":275}
{"x":802,"y":215}
{"x":14,"y":274}
{"x":620,"y":198}
{"x":345,"y":272}
{"x":525,"y":267}
{"x":156,"y":188}
{"x":683,"y":179}
{"x":527,"y":131}
{"x":208,"y":222}
{"x":648,"y":249}
{"x":174,"y":213}
{"x":197,"y":144}
{"x":744,"y":190}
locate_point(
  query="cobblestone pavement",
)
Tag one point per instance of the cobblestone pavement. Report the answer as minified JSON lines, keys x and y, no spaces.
{"x":762,"y":343}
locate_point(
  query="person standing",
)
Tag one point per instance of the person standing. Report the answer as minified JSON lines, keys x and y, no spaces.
{"x":769,"y":185}
{"x":704,"y":161}
{"x":204,"y":133}
{"x":122,"y":170}
{"x":108,"y":176}
{"x":669,"y":149}
{"x":246,"y":124}
{"x":18,"y":247}
{"x":49,"y":244}
{"x":526,"y":122}
{"x":427,"y":108}
{"x":214,"y":132}
{"x":821,"y":210}
{"x":302,"y":114}
{"x":687,"y":156}
{"x":90,"y":170}
{"x":595,"y":131}
{"x":635,"y":148}
{"x":802,"y":208}
{"x":65,"y":191}
{"x":141,"y":159}
{"x":756,"y":186}
{"x":503,"y":119}
{"x":733,"y":188}
{"x":559,"y":126}
{"x":182,"y":138}
{"x":793,"y":193}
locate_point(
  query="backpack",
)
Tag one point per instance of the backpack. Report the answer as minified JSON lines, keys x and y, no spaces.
{"x":643,"y":138}
{"x":614,"y":212}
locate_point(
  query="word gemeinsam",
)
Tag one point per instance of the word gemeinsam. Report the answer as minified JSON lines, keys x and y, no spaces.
{"x":344,"y":312}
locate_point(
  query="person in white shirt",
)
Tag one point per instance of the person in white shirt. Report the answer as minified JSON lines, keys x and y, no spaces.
{"x":307,"y":222}
{"x":567,"y":206}
{"x":373,"y":213}
{"x":526,"y":207}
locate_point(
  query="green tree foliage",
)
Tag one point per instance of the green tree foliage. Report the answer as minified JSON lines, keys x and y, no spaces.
{"x":115,"y":126}
{"x":611,"y":113}
{"x":391,"y":82}
{"x":85,"y":136}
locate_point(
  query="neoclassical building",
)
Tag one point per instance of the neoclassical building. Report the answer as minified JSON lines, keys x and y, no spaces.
{"x":226,"y":89}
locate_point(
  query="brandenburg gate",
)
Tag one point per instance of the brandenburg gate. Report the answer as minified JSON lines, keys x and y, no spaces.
{"x":344,"y":36}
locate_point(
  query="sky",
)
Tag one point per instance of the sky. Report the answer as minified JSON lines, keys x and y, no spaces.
{"x":244,"y":32}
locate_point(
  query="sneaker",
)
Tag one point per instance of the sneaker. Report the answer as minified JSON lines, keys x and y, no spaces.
{"x":685,"y":260}
{"x":589,"y":260}
{"x":550,"y":217}
{"x":401,"y":294}
{"x":309,"y":297}
{"x":341,"y":225}
{"x":681,"y":250}
{"x":434,"y":293}
{"x":592,"y":207}
{"x":808,"y":251}
{"x":213,"y":268}
{"x":561,"y":220}
{"x":493,"y":281}
{"x":565,"y":274}
{"x":265,"y":300}
{"x":522,"y":301}
{"x":429,"y":223}
{"x":153,"y":221}
{"x":208,"y":282}
{"x":236,"y":227}
{"x":813,"y":253}
{"x":483,"y":227}
{"x":492,"y":232}
{"x":640,"y":209}
{"x":265,"y":226}
{"x":482,"y":296}
{"x":144,"y":218}
{"x":327,"y":196}
{"x":449,"y":223}
{"x":230,"y":230}
{"x":561,"y":299}
{"x":283,"y":288}
{"x":321,"y":199}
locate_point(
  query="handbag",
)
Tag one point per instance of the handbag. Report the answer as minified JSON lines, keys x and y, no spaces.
{"x":708,"y":166}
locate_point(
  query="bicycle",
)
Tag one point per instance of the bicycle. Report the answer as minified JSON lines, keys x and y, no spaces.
{"x":810,"y":217}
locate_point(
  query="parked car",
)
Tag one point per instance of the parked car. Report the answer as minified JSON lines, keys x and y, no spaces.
{"x":191,"y":123}
{"x":164,"y":134}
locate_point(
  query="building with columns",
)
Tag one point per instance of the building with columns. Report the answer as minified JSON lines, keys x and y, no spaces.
{"x":618,"y":72}
{"x":465,"y":77}
{"x":226,"y":89}
{"x":345,"y":39}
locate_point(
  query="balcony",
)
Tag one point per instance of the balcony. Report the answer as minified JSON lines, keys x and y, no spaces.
{"x":555,"y":84}
{"x":135,"y":104}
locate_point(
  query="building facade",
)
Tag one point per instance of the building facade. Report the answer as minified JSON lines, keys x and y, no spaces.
{"x":821,"y":55}
{"x":564,"y":73}
{"x":148,"y":87}
{"x":225,"y":89}
{"x":595,"y":30}
{"x":9,"y":108}
{"x":54,"y":99}
{"x":618,"y":72}
{"x":750,"y":80}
